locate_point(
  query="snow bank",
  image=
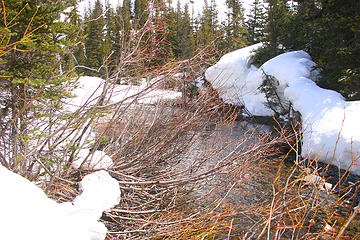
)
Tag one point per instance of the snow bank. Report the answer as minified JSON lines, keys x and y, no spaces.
{"x":329,"y":122}
{"x":90,"y":89}
{"x":100,"y":192}
{"x":238,"y":81}
{"x":88,"y":92}
{"x":27,"y":213}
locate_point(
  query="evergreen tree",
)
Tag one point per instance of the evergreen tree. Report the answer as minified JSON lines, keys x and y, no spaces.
{"x":95,"y":52}
{"x":181,"y":32}
{"x":141,"y":13}
{"x":256,"y":22}
{"x":277,"y":31}
{"x":235,"y":26}
{"x":209,"y":25}
{"x":176,"y":30}
{"x":187,"y":39}
{"x":327,"y":29}
{"x":33,"y":75}
{"x":335,"y":24}
{"x":113,"y":35}
{"x":172,"y":35}
{"x":125,"y":14}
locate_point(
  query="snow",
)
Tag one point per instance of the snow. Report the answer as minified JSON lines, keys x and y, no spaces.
{"x":100,"y":192}
{"x":27,"y":213}
{"x":97,"y":160}
{"x":25,"y":210}
{"x":329,"y":122}
{"x":90,"y":89}
{"x":238,"y":81}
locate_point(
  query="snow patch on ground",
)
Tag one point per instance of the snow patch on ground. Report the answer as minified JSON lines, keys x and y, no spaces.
{"x":97,"y":160}
{"x":90,"y":89}
{"x":329,"y":122}
{"x":27,"y":213}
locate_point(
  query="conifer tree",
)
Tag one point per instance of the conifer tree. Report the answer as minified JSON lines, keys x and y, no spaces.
{"x":160,"y":47}
{"x":125,"y":15}
{"x":334,"y":24}
{"x":95,"y":40}
{"x":209,"y":25}
{"x":110,"y":29}
{"x":33,"y":75}
{"x":176,"y":29}
{"x":172,"y":27}
{"x":279,"y":16}
{"x":141,"y":13}
{"x":235,"y":26}
{"x":256,"y":22}
{"x":187,"y":40}
{"x":327,"y":29}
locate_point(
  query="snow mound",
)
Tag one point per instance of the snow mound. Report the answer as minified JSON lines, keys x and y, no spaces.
{"x":237,"y":81}
{"x":96,"y":161}
{"x":100,"y":192}
{"x":27,"y":213}
{"x":329,"y":122}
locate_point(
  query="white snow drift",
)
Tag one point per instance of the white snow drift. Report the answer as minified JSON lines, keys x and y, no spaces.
{"x":329,"y":122}
{"x":27,"y":213}
{"x":237,"y":81}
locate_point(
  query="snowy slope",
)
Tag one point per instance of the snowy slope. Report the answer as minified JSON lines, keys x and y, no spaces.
{"x":329,"y":122}
{"x":90,"y":89}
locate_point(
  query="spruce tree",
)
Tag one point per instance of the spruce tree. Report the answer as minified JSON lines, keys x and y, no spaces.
{"x":327,"y":29}
{"x":34,"y":75}
{"x":110,"y":37}
{"x":125,"y":15}
{"x":256,"y":22}
{"x":336,"y":26}
{"x":187,"y":40}
{"x":209,"y":26}
{"x":141,"y":13}
{"x":172,"y":35}
{"x":277,"y":29}
{"x":95,"y":52}
{"x":235,"y":26}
